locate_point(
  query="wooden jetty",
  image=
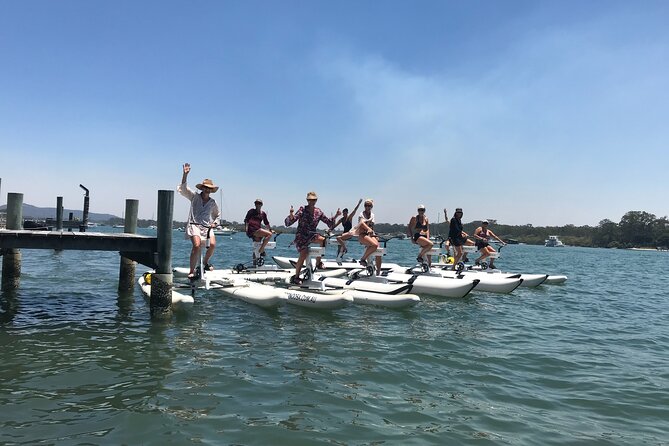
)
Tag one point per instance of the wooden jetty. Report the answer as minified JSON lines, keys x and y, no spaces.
{"x":154,"y":252}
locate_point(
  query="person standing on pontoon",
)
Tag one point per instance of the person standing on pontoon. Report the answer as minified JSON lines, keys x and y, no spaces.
{"x":347,"y":224}
{"x":308,"y":218}
{"x":253,"y":222}
{"x":419,"y":231}
{"x":481,"y":239}
{"x":457,"y":236}
{"x":203,"y":216}
{"x":366,"y":236}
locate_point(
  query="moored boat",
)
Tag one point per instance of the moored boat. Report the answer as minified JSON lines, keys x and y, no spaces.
{"x":553,"y":242}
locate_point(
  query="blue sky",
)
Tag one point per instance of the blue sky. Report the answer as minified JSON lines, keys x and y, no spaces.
{"x":548,"y":113}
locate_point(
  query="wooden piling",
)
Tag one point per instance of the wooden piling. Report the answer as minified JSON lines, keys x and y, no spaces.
{"x":161,"y":281}
{"x":126,"y":274}
{"x":11,"y":259}
{"x":59,"y":213}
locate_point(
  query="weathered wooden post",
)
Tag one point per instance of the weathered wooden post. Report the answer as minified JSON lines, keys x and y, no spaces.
{"x":11,"y":260}
{"x":84,"y":217}
{"x":126,"y":274}
{"x":59,"y":213}
{"x":161,"y":280}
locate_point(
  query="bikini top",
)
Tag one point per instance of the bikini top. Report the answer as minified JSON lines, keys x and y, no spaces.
{"x":420,"y":226}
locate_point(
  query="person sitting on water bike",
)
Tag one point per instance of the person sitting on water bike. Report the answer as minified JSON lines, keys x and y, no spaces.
{"x":419,"y":231}
{"x":482,"y":236}
{"x":366,"y":236}
{"x":346,"y":223}
{"x":253,"y":221}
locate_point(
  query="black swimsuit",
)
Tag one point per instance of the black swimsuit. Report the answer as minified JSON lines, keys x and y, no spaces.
{"x":482,"y":243}
{"x":419,"y":228}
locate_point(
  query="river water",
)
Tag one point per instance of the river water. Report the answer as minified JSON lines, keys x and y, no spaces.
{"x":579,"y":363}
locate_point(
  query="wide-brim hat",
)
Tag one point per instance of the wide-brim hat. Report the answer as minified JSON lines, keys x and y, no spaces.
{"x":207,"y":183}
{"x":312,"y":196}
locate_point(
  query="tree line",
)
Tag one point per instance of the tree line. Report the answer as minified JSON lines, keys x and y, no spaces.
{"x":636,"y":229}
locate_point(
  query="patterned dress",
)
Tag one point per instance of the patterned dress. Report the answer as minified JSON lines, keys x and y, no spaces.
{"x":306,"y":226}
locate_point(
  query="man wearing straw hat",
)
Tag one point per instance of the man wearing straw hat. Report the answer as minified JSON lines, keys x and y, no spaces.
{"x":203,"y":216}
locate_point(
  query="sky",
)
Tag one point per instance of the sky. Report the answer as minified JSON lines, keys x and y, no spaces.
{"x":528,"y":112}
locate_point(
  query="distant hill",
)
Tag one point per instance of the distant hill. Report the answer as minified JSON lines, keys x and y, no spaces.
{"x":33,"y":212}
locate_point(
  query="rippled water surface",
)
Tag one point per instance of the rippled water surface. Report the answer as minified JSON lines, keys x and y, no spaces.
{"x":579,"y":363}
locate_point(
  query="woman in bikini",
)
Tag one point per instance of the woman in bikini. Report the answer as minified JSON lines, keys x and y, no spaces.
{"x":366,"y":237}
{"x":419,"y":231}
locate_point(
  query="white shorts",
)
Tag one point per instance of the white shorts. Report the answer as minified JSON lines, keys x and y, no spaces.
{"x":193,"y":229}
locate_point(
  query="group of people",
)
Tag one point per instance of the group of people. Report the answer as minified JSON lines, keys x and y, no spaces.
{"x":419,"y":231}
{"x":204,"y":215}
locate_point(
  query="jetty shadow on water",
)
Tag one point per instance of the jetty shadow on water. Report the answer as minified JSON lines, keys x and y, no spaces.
{"x":9,"y":306}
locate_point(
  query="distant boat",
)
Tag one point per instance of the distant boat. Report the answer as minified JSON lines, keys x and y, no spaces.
{"x":36,"y":225}
{"x":224,"y":230}
{"x":553,"y":242}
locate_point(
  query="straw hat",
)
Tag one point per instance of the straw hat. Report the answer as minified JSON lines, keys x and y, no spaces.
{"x":312,"y":196}
{"x":207,"y":183}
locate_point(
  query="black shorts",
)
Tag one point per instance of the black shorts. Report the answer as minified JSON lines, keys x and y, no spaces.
{"x":416,"y":236}
{"x":480,"y":244}
{"x":458,"y":241}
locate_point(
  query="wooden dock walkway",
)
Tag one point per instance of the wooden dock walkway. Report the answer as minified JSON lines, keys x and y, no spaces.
{"x":154,"y":252}
{"x":140,"y":248}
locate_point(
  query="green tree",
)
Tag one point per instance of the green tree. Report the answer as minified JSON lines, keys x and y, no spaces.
{"x":661,"y":232}
{"x":636,"y":228}
{"x":606,"y":234}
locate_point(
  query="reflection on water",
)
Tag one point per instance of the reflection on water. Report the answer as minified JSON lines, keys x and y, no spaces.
{"x":81,"y":363}
{"x":9,"y":305}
